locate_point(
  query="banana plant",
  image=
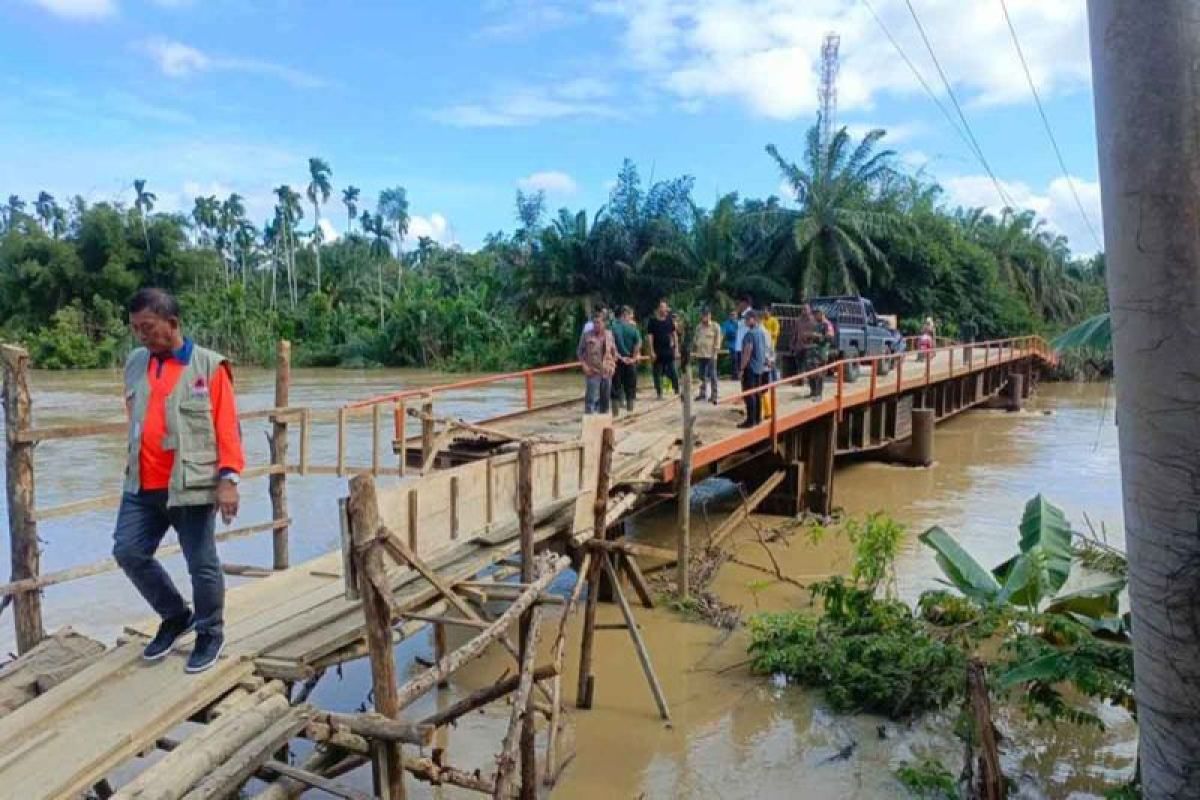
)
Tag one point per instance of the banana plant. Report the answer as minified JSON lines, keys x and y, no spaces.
{"x":1039,"y":577}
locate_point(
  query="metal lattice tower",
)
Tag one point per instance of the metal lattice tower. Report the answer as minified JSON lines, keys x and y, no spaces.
{"x":827,"y":91}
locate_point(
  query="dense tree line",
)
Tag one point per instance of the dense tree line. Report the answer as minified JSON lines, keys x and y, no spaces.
{"x":855,"y":223}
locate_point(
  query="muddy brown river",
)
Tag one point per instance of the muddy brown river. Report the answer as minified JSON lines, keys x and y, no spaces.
{"x":734,"y":734}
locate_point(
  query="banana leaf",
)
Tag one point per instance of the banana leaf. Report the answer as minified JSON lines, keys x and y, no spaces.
{"x":962,"y":571}
{"x":1098,"y":598}
{"x":1094,"y":333}
{"x":1023,"y":580}
{"x":1047,"y":669}
{"x":1045,"y":531}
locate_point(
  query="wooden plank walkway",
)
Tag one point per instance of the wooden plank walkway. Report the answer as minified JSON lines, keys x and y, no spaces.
{"x":298,"y":621}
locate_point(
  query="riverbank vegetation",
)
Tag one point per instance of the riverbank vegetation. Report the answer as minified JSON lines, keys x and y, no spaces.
{"x":1047,"y":627}
{"x":856,"y":221}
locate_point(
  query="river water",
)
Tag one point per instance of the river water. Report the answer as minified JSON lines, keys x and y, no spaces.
{"x":733,"y":734}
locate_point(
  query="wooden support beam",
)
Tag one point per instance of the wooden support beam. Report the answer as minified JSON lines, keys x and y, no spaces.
{"x":315,"y":781}
{"x":376,"y":447}
{"x":481,"y":697}
{"x":560,"y":650}
{"x":421,"y":684}
{"x":521,"y":718}
{"x":342,"y":418}
{"x":24,"y":553}
{"x":683,"y":492}
{"x":528,"y":629}
{"x":277,"y":483}
{"x":637,"y":580}
{"x":229,"y":776}
{"x":364,"y":522}
{"x":377,"y":726}
{"x":635,"y":634}
{"x":586,"y":686}
{"x":743,"y":511}
{"x":428,"y":447}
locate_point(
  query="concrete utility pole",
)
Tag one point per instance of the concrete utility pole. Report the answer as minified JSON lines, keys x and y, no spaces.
{"x":1147,"y":87}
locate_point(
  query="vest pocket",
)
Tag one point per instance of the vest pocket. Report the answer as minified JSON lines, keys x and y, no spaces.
{"x":197,"y":452}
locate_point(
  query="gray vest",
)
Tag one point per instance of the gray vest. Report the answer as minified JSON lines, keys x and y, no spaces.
{"x":190,"y":430}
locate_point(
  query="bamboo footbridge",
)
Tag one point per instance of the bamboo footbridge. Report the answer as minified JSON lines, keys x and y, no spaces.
{"x":451,"y":520}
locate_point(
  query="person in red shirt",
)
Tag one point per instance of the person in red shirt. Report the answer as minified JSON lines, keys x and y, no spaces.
{"x":185,"y":458}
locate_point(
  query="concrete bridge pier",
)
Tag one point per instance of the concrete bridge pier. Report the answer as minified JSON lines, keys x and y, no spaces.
{"x":806,"y":456}
{"x":1017,"y":391}
{"x":917,"y":450}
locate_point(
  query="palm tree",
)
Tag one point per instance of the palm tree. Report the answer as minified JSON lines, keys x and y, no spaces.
{"x":393,"y":207}
{"x":13,"y":211}
{"x":45,"y":206}
{"x":230,"y":215}
{"x":205,"y":216}
{"x":703,"y":265}
{"x":318,"y":192}
{"x":350,"y":200}
{"x":374,"y":226}
{"x":144,"y":203}
{"x":289,"y":212}
{"x":833,"y":234}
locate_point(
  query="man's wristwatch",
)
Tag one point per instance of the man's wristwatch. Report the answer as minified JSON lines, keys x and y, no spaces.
{"x":231,"y":476}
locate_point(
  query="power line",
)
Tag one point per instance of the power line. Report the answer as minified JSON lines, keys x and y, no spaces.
{"x":1049,"y":132}
{"x":971,"y":146}
{"x":958,"y":108}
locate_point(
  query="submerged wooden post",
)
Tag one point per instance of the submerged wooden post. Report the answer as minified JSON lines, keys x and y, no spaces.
{"x":364,"y":522}
{"x":683,"y":497}
{"x":22,"y":529}
{"x":279,"y":454}
{"x":526,"y":633}
{"x":587,"y":682}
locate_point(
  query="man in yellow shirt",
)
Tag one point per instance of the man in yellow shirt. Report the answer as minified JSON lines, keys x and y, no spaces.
{"x":770,"y":326}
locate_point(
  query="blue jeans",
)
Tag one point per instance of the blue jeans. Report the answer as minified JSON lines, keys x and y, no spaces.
{"x":142,"y":522}
{"x":599,"y":392}
{"x":708,"y":378}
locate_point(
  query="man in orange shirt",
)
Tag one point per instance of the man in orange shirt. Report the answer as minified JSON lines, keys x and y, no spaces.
{"x":184,"y":461}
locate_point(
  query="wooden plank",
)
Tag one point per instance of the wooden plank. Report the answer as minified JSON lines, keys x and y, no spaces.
{"x":594,"y":426}
{"x":227,"y":778}
{"x":148,"y":700}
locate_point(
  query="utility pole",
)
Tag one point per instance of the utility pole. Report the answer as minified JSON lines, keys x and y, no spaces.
{"x":1147,"y":94}
{"x":827,"y":90}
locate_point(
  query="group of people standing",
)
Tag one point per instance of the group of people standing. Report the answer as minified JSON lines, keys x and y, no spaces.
{"x":611,"y":346}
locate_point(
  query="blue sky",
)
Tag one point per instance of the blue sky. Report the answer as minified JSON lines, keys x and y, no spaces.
{"x":462,"y":102}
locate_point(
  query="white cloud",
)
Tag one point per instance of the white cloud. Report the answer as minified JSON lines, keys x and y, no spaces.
{"x":522,"y":19}
{"x":765,"y":53}
{"x":551,"y":182}
{"x":435,"y":227}
{"x":1055,"y":203}
{"x":329,"y":233}
{"x":178,"y":60}
{"x":529,"y":105}
{"x":79,"y":9}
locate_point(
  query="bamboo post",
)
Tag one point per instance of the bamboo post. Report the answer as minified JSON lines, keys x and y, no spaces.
{"x":376,"y":424}
{"x":279,"y":454}
{"x":401,"y":413}
{"x":364,"y":522}
{"x":343,"y":414}
{"x":684,"y":490}
{"x":427,"y":432}
{"x":586,"y":686}
{"x":527,"y":632}
{"x":22,"y":529}
{"x":528,"y":391}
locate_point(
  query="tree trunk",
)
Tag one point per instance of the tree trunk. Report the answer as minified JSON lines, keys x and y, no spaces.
{"x":317,"y":241}
{"x":1147,"y":91}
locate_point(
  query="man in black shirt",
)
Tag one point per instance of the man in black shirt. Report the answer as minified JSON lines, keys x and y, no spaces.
{"x":665,"y":342}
